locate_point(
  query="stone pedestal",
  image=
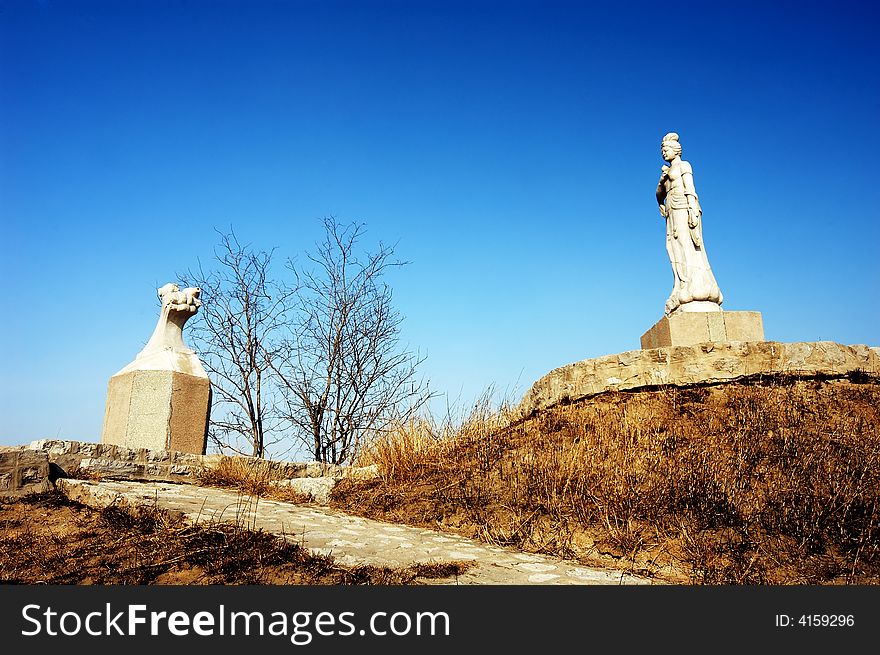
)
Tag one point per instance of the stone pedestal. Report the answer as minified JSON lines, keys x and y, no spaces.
{"x":690,"y":328}
{"x":159,"y":403}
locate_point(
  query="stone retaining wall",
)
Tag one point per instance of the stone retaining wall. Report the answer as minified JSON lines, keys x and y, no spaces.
{"x":121,"y":463}
{"x":699,"y":364}
{"x":34,"y":468}
{"x":111,"y":461}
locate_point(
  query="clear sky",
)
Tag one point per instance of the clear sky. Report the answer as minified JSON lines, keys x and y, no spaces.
{"x":510,"y":150}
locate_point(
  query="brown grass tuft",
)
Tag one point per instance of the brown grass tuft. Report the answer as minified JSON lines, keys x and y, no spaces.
{"x":248,"y":475}
{"x":253,"y":477}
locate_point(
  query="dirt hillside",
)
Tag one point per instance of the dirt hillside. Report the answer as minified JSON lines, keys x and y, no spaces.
{"x":773,"y":481}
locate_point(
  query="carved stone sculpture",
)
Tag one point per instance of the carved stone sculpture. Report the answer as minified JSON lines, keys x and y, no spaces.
{"x":693,"y":311}
{"x":162,"y":400}
{"x":694,"y":288}
{"x":177,"y":308}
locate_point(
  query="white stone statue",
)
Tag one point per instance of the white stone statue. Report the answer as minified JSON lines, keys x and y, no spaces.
{"x":694,"y":288}
{"x":177,"y":308}
{"x":162,"y":399}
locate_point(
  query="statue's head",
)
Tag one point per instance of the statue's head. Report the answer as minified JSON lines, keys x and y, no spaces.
{"x":166,"y":290}
{"x":670,"y":148}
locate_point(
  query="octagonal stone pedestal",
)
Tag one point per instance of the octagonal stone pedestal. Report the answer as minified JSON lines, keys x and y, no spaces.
{"x":160,"y":409}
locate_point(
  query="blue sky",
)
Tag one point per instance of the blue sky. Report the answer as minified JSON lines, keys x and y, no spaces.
{"x":509,"y":149}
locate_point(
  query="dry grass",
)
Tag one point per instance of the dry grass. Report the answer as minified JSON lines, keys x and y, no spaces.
{"x":775,"y":482}
{"x":421,"y":442}
{"x":250,"y":476}
{"x":46,"y":538}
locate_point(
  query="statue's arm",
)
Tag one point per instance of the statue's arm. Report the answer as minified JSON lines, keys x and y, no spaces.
{"x":661,"y":196}
{"x":690,"y":191}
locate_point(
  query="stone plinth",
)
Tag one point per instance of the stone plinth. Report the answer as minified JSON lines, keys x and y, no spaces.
{"x":691,"y":328}
{"x":158,"y":410}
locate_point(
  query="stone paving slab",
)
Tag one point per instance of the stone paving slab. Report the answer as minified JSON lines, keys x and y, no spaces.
{"x":351,"y":540}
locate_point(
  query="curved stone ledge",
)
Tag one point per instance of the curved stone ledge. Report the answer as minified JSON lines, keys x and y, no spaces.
{"x":705,"y":363}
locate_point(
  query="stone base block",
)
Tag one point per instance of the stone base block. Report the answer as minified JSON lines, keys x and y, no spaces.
{"x":157,"y":410}
{"x":23,"y":471}
{"x":691,"y":328}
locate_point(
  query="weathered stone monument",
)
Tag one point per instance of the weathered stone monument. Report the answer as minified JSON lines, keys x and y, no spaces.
{"x":162,"y":400}
{"x":693,"y":311}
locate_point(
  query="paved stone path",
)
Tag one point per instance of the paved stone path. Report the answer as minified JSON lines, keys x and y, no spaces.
{"x":351,"y":540}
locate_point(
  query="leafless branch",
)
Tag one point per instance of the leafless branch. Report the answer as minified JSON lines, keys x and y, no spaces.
{"x":342,"y":365}
{"x":243,"y":310}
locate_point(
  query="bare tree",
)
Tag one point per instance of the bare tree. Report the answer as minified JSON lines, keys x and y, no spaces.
{"x":344,"y":371}
{"x":242,"y":311}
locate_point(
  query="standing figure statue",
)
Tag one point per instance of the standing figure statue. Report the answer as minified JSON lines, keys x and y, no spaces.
{"x":694,"y":288}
